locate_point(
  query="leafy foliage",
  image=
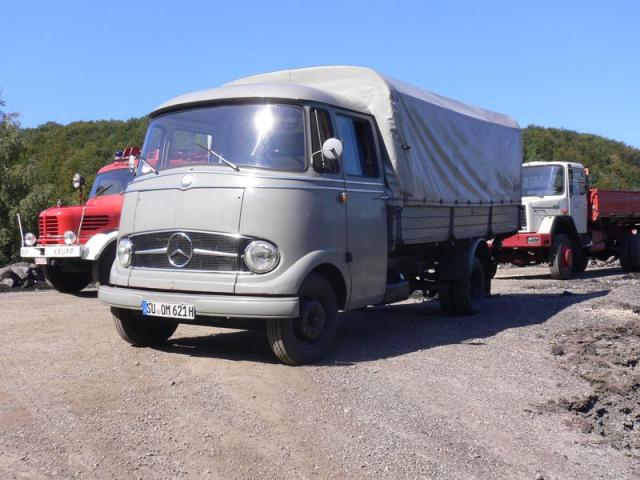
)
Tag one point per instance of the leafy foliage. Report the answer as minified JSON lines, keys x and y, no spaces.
{"x":37,"y":164}
{"x":611,"y":164}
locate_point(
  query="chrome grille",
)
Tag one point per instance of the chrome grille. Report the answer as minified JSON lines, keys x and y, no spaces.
{"x":224,"y":251}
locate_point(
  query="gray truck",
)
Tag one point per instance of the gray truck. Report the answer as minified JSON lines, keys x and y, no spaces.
{"x":283,"y":198}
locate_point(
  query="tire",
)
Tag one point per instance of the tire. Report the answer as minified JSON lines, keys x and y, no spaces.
{"x":580,"y":260}
{"x":561,"y":257}
{"x":468,"y":294}
{"x":633,"y":253}
{"x":104,"y":263}
{"x":492,"y":269}
{"x":65,"y":282}
{"x":308,"y":338}
{"x":142,"y":331}
{"x":624,"y":252}
{"x":446,"y":301}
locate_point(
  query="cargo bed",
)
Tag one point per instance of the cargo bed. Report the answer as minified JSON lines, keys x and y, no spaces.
{"x":614,"y":205}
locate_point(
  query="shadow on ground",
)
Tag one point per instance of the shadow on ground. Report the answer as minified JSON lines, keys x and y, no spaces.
{"x":594,"y":273}
{"x":394,"y":330}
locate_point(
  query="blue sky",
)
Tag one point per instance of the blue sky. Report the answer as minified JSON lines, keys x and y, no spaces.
{"x":571,"y":64}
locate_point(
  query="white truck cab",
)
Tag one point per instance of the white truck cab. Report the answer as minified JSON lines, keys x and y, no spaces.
{"x":550,"y":190}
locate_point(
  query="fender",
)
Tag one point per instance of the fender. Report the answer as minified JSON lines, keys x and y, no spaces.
{"x":547,"y":225}
{"x":288,"y":282}
{"x":455,"y":263}
{"x":96,"y":245}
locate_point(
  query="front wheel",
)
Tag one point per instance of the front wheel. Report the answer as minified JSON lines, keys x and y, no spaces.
{"x":65,"y":282}
{"x":141,"y":331}
{"x":309,"y":337}
{"x":580,"y":260}
{"x":561,"y":257}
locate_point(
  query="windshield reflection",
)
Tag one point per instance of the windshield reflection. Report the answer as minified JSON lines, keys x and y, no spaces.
{"x":542,"y":180}
{"x":263,"y":136}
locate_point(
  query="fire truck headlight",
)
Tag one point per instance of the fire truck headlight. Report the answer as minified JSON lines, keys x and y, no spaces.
{"x":125,"y":248}
{"x":69,"y":237}
{"x":30,"y":239}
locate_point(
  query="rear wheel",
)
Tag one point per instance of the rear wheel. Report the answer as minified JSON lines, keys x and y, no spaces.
{"x":634,"y":252}
{"x":629,"y":252}
{"x":464,"y":297}
{"x":446,"y":301}
{"x":624,"y":252}
{"x":308,"y":338}
{"x":561,"y":257}
{"x":141,"y":331}
{"x":65,"y":282}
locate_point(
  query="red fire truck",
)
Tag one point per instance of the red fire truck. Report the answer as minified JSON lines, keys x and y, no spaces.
{"x":565,"y":223}
{"x":76,"y":244}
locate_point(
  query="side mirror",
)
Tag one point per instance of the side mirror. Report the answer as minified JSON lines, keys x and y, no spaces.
{"x":78,"y":181}
{"x":326,"y":160}
{"x":332,"y":149}
{"x":132,"y":164}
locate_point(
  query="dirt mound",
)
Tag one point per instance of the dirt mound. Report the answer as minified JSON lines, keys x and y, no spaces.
{"x":607,"y":358}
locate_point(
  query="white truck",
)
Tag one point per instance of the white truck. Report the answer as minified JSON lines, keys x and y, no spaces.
{"x":565,"y":223}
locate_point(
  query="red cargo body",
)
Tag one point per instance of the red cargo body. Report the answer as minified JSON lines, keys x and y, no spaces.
{"x":616,"y":205}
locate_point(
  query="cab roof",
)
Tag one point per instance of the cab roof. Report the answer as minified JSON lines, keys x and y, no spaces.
{"x":258,"y":91}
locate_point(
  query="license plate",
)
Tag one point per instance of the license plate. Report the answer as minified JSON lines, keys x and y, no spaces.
{"x":173,"y":310}
{"x":65,"y":252}
{"x":41,"y":261}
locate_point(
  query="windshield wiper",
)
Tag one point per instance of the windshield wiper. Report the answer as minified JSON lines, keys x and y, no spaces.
{"x":222,"y":159}
{"x":103,"y":188}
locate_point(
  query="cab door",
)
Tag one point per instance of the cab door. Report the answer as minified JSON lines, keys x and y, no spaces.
{"x":366,"y":208}
{"x":578,"y":201}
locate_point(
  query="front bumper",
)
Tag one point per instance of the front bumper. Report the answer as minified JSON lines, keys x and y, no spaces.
{"x":53,"y":251}
{"x":228,"y":306}
{"x":527,"y":241}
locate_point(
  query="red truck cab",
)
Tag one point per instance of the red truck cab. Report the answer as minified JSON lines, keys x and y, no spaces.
{"x":76,"y":243}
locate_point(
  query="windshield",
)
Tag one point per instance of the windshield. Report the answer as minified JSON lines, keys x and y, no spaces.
{"x":113,"y":181}
{"x":542,"y":180}
{"x":264,"y":136}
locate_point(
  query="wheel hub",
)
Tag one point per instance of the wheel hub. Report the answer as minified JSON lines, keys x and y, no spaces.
{"x":312,"y":319}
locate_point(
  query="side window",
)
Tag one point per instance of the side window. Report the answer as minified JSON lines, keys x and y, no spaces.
{"x":359,"y":158}
{"x":578,"y":181}
{"x":321,"y":130}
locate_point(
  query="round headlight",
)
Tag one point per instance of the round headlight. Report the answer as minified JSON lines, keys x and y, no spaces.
{"x":69,"y":237}
{"x":261,"y":256}
{"x":30,"y":239}
{"x":125,"y":247}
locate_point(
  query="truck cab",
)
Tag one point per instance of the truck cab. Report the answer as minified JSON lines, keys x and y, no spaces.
{"x":551,"y":190}
{"x":75,"y":244}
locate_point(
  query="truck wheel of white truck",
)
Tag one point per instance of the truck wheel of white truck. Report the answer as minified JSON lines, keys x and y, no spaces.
{"x":65,"y":282}
{"x":561,"y":257}
{"x":629,"y":252}
{"x":308,"y":338}
{"x":142,"y":331}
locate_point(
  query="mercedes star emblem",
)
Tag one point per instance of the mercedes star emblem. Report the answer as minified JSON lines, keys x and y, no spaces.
{"x":179,"y":249}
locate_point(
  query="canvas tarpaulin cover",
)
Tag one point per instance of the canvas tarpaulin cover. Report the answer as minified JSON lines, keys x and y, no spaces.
{"x":440,"y":151}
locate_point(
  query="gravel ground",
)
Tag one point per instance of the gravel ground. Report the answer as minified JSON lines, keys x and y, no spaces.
{"x":543,"y":384}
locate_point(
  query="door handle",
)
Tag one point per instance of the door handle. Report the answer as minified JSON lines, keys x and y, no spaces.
{"x":384,"y":196}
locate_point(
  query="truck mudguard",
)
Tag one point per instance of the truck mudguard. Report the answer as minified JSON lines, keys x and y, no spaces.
{"x":455,"y":264}
{"x":96,"y":244}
